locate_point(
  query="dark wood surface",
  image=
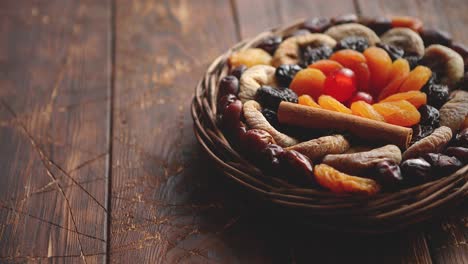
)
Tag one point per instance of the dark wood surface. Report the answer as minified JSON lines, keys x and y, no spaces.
{"x":99,"y":161}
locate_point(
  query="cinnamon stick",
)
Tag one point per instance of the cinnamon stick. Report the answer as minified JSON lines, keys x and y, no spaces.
{"x":368,"y":129}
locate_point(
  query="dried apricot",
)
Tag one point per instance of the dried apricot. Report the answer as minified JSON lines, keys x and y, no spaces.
{"x":305,"y":99}
{"x":363,"y":109}
{"x":330,"y":103}
{"x":380,"y":65}
{"x":326,"y":66}
{"x":250,"y":57}
{"x":340,"y":182}
{"x":417,"y":78}
{"x":400,"y":113}
{"x":408,"y":22}
{"x":398,"y":74}
{"x":355,"y":61}
{"x":308,"y":81}
{"x":416,"y":98}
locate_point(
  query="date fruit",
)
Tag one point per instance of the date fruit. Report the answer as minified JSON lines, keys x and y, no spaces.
{"x":460,"y":153}
{"x":296,"y":168}
{"x":238,"y":71}
{"x":416,"y":171}
{"x":388,"y":174}
{"x":254,"y":141}
{"x":442,"y":164}
{"x":228,"y":85}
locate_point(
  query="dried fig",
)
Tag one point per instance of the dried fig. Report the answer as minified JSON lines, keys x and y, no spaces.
{"x":362,"y":162}
{"x":289,"y":51}
{"x":317,"y":148}
{"x":453,"y":113}
{"x":253,"y":78}
{"x":434,"y":143}
{"x":404,"y":38}
{"x":446,"y":62}
{"x":250,"y":57}
{"x":256,"y":120}
{"x":340,"y":32}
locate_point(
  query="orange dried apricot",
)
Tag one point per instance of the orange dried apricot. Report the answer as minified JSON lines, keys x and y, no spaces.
{"x":363,"y":109}
{"x":330,"y":103}
{"x":416,"y":98}
{"x":250,"y":57}
{"x":417,"y":78}
{"x":408,"y":22}
{"x":355,"y":61}
{"x":308,"y":81}
{"x":398,"y":74}
{"x":305,"y":99}
{"x":340,"y":182}
{"x":380,"y":65}
{"x":326,"y":66}
{"x":400,"y":113}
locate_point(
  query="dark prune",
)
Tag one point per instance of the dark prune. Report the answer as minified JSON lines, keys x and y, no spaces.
{"x":238,"y":71}
{"x":380,"y":25}
{"x":254,"y":141}
{"x":393,"y":52}
{"x":313,"y":54}
{"x":296,"y":168}
{"x":437,"y":94}
{"x":285,"y":74}
{"x":270,"y":44}
{"x":420,"y":132}
{"x":224,"y":101}
{"x":388,"y":174}
{"x":231,"y":116}
{"x":297,"y":33}
{"x":344,"y":19}
{"x":269,"y":159}
{"x":416,"y":171}
{"x":463,"y":51}
{"x":228,"y":85}
{"x":442,"y":164}
{"x":429,"y":115}
{"x":354,"y":43}
{"x":271,"y":117}
{"x":270,"y":97}
{"x":434,"y":36}
{"x":461,"y":139}
{"x":412,"y":59}
{"x":458,"y":152}
{"x":316,"y":25}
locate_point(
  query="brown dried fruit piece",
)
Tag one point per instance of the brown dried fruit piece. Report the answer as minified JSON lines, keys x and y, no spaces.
{"x":319,"y":147}
{"x":434,"y":143}
{"x":404,"y":38}
{"x":446,"y":62}
{"x":361,"y":162}
{"x":253,"y":78}
{"x":340,"y":32}
{"x":454,"y":112}
{"x":256,"y":120}
{"x":340,"y":182}
{"x":250,"y":57}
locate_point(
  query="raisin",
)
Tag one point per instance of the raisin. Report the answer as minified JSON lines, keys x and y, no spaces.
{"x":393,"y":52}
{"x":458,"y":152}
{"x":271,"y":98}
{"x":433,"y":36}
{"x":228,"y":85}
{"x":416,"y":171}
{"x":269,"y":159}
{"x":420,"y":132}
{"x":316,"y":25}
{"x":271,"y":117}
{"x":254,"y":141}
{"x":380,"y":25}
{"x":270,"y":44}
{"x":413,"y":60}
{"x":437,"y":94}
{"x":313,"y":54}
{"x":442,"y":164}
{"x":461,"y":139}
{"x":344,"y":19}
{"x":388,"y":174}
{"x":429,"y":115}
{"x":238,"y":71}
{"x":353,"y":42}
{"x":285,"y":74}
{"x":297,"y":167}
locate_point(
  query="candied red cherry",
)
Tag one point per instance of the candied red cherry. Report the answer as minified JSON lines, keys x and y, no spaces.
{"x":340,"y":84}
{"x":362,"y":96}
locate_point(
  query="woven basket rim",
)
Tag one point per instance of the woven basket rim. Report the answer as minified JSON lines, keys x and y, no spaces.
{"x":384,"y":212}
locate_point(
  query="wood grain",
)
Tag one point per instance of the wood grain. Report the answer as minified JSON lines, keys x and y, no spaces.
{"x":54,"y":112}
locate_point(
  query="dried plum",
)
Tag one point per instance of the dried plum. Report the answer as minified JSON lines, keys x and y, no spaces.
{"x":460,"y":153}
{"x":313,"y":54}
{"x":354,"y":42}
{"x":285,"y":74}
{"x":388,"y":174}
{"x":316,"y":25}
{"x":271,"y":117}
{"x":380,"y":25}
{"x":296,"y":168}
{"x":442,"y":164}
{"x":420,"y":132}
{"x":394,"y":52}
{"x":270,"y":97}
{"x":238,"y":71}
{"x":270,"y":44}
{"x":434,"y":36}
{"x":429,"y":115}
{"x":437,"y":94}
{"x":416,"y":171}
{"x":228,"y":85}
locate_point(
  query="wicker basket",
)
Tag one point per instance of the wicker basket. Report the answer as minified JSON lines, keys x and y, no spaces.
{"x":384,"y":212}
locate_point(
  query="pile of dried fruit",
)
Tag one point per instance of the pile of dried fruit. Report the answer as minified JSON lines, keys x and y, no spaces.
{"x":390,"y":74}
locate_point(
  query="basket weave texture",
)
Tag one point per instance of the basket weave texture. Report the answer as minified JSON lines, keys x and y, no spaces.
{"x":381,"y":213}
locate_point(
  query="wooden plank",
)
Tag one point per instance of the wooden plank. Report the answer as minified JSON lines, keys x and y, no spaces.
{"x":169,"y":205}
{"x":54,"y":116}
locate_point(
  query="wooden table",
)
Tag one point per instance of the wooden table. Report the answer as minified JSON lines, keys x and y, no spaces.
{"x":98,"y":158}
